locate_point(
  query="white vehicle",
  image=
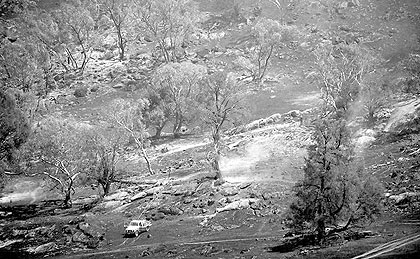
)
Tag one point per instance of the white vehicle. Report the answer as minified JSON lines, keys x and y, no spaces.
{"x":137,"y":226}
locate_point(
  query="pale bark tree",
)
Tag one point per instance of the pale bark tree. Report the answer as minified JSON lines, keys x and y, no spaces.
{"x":340,"y":73}
{"x":107,"y":144}
{"x":220,"y":100}
{"x":177,"y":85}
{"x":269,"y":38}
{"x":59,"y":150}
{"x":66,"y":33}
{"x":169,"y":23}
{"x":118,"y":13}
{"x":129,"y":117}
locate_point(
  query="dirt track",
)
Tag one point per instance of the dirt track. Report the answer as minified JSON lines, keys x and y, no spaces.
{"x":131,"y":248}
{"x":389,"y":247}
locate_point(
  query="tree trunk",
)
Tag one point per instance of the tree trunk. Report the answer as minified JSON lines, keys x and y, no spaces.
{"x":217,"y":155}
{"x":146,"y":158}
{"x":159,"y":131}
{"x":121,"y":43}
{"x":67,"y":198}
{"x":107,"y":187}
{"x":320,"y":223}
{"x":320,"y":230}
{"x":216,"y":166}
{"x":177,"y":128}
{"x":165,"y":53}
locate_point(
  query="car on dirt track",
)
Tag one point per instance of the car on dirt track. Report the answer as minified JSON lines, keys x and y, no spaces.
{"x":137,"y":226}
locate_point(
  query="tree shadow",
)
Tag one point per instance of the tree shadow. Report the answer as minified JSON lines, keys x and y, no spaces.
{"x":292,"y":243}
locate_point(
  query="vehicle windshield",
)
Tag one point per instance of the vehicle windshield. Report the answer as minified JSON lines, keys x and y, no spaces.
{"x":134,"y":224}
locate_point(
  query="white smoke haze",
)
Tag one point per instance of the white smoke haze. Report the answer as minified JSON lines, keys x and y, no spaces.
{"x":23,"y":192}
{"x":234,"y":168}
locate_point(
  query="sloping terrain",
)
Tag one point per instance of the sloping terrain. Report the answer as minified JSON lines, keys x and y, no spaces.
{"x":195,"y":217}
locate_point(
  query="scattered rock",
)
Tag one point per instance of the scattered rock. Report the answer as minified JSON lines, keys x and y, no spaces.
{"x":19,"y":232}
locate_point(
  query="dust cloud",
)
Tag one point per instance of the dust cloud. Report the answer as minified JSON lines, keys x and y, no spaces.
{"x":238,"y":168}
{"x":25,"y":192}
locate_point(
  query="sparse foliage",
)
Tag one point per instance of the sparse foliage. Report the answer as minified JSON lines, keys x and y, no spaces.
{"x":107,"y":145}
{"x":374,"y":95}
{"x":269,"y":38}
{"x":117,"y":13}
{"x":159,"y":112}
{"x":334,"y":193}
{"x":14,"y":131}
{"x":20,"y":68}
{"x":168,"y":23}
{"x":59,"y":149}
{"x":176,"y":84}
{"x":341,"y":70}
{"x":11,"y":7}
{"x":67,"y":33}
{"x":412,"y":66}
{"x":129,"y":116}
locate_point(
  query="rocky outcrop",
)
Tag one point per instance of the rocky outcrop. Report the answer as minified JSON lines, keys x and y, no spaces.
{"x":118,"y":196}
{"x":294,"y":115}
{"x":236,"y":205}
{"x":404,"y":198}
{"x":42,"y":249}
{"x":138,"y":196}
{"x":406,"y":116}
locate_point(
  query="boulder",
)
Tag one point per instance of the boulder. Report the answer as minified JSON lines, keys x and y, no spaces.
{"x":80,"y":237}
{"x":109,"y":41}
{"x":80,"y":92}
{"x":353,"y":3}
{"x":156,"y":216}
{"x":171,"y":210}
{"x":154,"y":190}
{"x":118,"y":86}
{"x":244,"y":185}
{"x":48,"y":247}
{"x":118,"y":196}
{"x":138,"y":196}
{"x":405,"y":197}
{"x":180,"y":191}
{"x":404,"y":115}
{"x":19,"y":232}
{"x":110,"y":204}
{"x":229,"y":191}
{"x":236,"y":205}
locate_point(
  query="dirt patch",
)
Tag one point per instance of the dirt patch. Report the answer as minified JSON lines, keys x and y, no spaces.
{"x":272,"y":153}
